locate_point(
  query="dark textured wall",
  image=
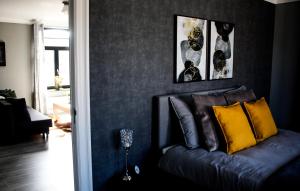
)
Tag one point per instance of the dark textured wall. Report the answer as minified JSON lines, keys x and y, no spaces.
{"x":132,"y":59}
{"x":286,"y":64}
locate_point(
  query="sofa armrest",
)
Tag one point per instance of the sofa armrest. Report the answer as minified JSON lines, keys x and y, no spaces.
{"x":40,"y":123}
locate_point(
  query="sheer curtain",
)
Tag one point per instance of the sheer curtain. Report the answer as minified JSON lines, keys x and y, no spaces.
{"x":39,"y":69}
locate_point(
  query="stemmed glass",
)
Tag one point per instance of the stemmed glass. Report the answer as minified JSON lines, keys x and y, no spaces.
{"x":126,"y":141}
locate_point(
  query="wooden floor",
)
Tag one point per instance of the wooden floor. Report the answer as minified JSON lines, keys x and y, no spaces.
{"x":38,"y":165}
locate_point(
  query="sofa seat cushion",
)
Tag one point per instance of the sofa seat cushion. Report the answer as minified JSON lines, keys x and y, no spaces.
{"x":39,"y":120}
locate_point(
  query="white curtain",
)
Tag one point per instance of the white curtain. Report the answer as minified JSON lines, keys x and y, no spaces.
{"x":39,"y":69}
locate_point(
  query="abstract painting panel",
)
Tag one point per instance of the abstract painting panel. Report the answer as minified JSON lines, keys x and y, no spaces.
{"x":221,"y":50}
{"x":191,"y":49}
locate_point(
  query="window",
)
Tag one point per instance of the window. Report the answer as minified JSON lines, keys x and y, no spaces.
{"x":57,"y":56}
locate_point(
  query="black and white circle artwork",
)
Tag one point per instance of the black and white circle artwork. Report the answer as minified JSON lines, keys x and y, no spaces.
{"x":191,"y":49}
{"x":221,"y":50}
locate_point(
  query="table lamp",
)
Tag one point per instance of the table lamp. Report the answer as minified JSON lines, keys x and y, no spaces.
{"x":126,"y":142}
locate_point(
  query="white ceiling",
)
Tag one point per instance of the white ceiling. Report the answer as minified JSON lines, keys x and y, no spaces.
{"x":25,"y":11}
{"x":280,"y":1}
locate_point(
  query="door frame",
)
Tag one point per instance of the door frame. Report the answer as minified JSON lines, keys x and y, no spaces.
{"x":80,"y":95}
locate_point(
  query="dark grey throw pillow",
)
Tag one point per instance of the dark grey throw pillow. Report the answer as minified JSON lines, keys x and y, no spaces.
{"x":204,"y":118}
{"x":240,"y":96}
{"x":187,"y":122}
{"x":237,"y":89}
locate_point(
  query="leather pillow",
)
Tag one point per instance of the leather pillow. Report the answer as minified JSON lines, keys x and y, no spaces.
{"x":206,"y":127}
{"x":239,"y":96}
{"x":187,"y":122}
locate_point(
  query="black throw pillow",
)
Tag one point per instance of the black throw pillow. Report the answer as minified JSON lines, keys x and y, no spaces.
{"x":21,"y":114}
{"x":187,"y":122}
{"x":237,"y":89}
{"x":205,"y":118}
{"x":240,"y":96}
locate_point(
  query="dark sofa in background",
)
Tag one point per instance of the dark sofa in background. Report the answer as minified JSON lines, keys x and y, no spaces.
{"x":19,"y":121}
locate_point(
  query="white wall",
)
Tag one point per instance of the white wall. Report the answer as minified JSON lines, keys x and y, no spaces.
{"x":16,"y":74}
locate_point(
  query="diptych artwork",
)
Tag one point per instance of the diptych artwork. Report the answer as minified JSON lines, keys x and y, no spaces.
{"x":197,"y":59}
{"x":191,"y":49}
{"x":221,"y":50}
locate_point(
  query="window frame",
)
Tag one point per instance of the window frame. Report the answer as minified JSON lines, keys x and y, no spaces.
{"x":56,"y":50}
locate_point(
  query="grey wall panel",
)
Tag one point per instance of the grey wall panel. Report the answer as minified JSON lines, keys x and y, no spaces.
{"x":17,"y":75}
{"x":285,"y":70}
{"x":132,"y":47}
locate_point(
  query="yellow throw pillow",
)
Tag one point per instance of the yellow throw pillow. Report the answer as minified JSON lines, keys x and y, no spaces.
{"x":235,"y":127}
{"x":261,"y":118}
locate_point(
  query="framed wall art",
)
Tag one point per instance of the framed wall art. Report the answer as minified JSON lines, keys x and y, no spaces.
{"x":191,"y":49}
{"x":2,"y":54}
{"x":221,"y":50}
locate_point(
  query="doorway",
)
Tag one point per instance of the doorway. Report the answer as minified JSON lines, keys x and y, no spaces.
{"x":57,"y":54}
{"x":79,"y":25}
{"x":40,"y":162}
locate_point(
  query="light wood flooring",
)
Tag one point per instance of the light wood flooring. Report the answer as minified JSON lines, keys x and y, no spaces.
{"x":38,"y":165}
